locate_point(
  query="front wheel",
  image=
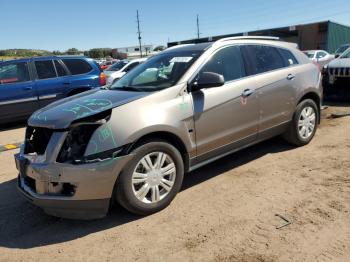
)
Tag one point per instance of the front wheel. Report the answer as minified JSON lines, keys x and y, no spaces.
{"x":304,"y":124}
{"x":152,"y":178}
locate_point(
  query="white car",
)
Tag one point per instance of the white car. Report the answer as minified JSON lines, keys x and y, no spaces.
{"x":119,"y":69}
{"x":321,"y":57}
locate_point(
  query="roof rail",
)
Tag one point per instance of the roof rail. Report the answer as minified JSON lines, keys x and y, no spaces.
{"x":247,"y":37}
{"x":177,"y":46}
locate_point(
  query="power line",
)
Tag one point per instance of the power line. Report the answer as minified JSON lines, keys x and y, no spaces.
{"x":138,"y":31}
{"x":198,"y":33}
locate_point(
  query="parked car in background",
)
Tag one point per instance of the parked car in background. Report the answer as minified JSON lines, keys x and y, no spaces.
{"x":107,"y":64}
{"x":341,"y":50}
{"x":183,"y":108}
{"x":31,"y":83}
{"x":120,"y":68}
{"x":336,"y":75}
{"x":320,"y":57}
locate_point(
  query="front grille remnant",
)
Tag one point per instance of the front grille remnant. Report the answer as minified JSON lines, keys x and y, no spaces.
{"x":36,"y":140}
{"x":340,"y":71}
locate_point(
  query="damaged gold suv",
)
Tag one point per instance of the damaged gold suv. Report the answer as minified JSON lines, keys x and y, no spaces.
{"x":181,"y":109}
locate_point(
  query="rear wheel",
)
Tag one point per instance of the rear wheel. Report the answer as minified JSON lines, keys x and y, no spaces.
{"x":304,"y":124}
{"x":152,"y":178}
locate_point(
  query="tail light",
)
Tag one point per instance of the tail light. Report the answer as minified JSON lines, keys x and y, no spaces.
{"x":102,"y":79}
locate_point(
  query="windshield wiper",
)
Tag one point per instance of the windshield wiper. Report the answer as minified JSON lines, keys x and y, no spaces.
{"x":127,"y":88}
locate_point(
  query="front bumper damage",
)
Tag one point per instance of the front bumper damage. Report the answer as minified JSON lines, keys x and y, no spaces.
{"x":70,"y":191}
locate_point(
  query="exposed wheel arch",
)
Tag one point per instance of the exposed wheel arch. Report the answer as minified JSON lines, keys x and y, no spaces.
{"x":315,"y":97}
{"x":167,"y":137}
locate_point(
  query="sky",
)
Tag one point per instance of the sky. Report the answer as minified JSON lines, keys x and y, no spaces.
{"x":85,"y":24}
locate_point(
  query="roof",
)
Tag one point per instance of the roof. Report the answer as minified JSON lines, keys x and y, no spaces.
{"x":45,"y":57}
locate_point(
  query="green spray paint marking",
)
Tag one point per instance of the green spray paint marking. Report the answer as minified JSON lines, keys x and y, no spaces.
{"x":105,"y":133}
{"x":184,"y":106}
{"x":88,"y":107}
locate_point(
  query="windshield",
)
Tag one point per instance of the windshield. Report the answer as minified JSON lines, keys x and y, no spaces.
{"x":346,"y":54}
{"x":341,"y":49}
{"x":310,"y":54}
{"x":117,"y":66}
{"x":159,"y":72}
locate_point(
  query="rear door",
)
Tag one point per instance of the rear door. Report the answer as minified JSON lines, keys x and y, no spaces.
{"x":49,"y":85}
{"x":17,"y":95}
{"x":225,"y":117}
{"x":82,"y":75}
{"x":274,"y":80}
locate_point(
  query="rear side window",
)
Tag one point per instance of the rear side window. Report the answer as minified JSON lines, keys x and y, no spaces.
{"x":288,"y":57}
{"x":261,"y":59}
{"x":321,"y":55}
{"x":131,"y":66}
{"x":227,"y":62}
{"x":77,"y":66}
{"x":14,"y":73}
{"x":45,"y":69}
{"x":60,"y":69}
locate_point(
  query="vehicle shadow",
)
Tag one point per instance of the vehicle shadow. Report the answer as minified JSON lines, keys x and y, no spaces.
{"x":25,"y":226}
{"x":13,"y":125}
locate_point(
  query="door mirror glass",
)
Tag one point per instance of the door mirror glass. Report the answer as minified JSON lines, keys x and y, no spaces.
{"x":208,"y":80}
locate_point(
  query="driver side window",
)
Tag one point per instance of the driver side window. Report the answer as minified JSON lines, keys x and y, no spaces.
{"x":320,"y":55}
{"x":226,"y":62}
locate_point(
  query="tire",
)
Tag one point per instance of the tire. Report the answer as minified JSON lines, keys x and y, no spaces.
{"x":294,"y":134}
{"x":152,"y":202}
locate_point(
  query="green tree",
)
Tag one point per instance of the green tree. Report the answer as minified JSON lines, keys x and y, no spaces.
{"x":96,"y":53}
{"x":72,"y":51}
{"x":159,"y":48}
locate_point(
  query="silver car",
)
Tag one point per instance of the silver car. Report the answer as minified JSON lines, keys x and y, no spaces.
{"x":119,"y":69}
{"x":181,"y":109}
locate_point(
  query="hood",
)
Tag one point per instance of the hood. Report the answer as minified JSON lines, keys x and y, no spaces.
{"x":60,"y":114}
{"x":339,"y":62}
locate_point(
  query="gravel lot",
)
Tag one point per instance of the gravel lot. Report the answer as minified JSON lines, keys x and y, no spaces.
{"x":226,"y":211}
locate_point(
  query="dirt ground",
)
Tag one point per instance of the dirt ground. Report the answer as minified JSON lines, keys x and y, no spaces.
{"x":226,"y":211}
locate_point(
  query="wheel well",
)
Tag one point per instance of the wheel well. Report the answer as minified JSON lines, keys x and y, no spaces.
{"x":77,"y":91}
{"x":315,"y":98}
{"x":172,"y":139}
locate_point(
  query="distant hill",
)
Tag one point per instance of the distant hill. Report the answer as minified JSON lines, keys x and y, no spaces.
{"x":24,"y":52}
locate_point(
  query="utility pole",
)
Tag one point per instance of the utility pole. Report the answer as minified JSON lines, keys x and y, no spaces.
{"x":138,"y":31}
{"x":198,"y":27}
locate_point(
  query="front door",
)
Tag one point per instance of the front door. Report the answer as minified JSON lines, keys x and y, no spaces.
{"x":225,"y":117}
{"x":18,"y":98}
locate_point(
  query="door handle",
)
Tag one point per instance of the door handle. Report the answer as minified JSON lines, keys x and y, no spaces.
{"x":290,"y":77}
{"x":247,"y":93}
{"x":28,"y":88}
{"x":66,"y":83}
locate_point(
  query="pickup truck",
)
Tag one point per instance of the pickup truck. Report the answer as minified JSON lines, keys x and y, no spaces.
{"x":31,"y":83}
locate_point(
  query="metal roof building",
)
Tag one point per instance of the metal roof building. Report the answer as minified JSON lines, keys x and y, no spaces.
{"x":326,"y":35}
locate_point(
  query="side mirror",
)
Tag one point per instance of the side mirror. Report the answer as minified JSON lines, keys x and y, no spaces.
{"x":208,"y":80}
{"x":337,"y":55}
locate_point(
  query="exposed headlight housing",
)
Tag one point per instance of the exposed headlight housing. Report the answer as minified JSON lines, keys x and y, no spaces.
{"x":78,"y":137}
